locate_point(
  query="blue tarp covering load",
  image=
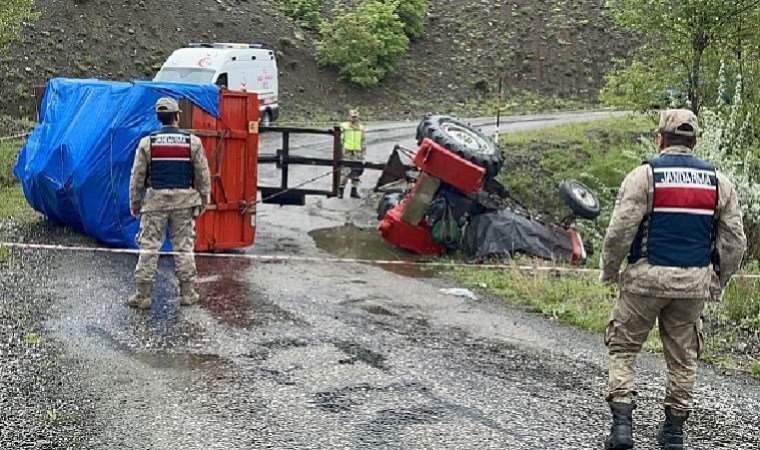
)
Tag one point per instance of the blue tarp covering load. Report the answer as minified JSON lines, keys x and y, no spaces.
{"x":75,"y":167}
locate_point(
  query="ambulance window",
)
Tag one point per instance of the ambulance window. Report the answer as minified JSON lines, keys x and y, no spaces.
{"x":222,"y":80}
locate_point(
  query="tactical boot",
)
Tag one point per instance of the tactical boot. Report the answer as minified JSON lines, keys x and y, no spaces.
{"x":621,"y":434}
{"x":187,"y":294}
{"x":141,"y":298}
{"x":354,"y":192}
{"x":341,"y":192}
{"x":672,"y":435}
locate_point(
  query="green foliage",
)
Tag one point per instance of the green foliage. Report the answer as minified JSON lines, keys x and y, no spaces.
{"x":580,"y":300}
{"x":12,"y":14}
{"x":599,"y":154}
{"x":365,"y":43}
{"x":754,"y":370}
{"x":679,"y":40}
{"x":741,"y":302}
{"x":642,"y":85}
{"x":12,"y":201}
{"x":307,"y":13}
{"x":412,"y":13}
{"x":8,"y":155}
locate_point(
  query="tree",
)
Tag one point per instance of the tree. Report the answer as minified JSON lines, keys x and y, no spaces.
{"x":12,"y":14}
{"x":678,"y":37}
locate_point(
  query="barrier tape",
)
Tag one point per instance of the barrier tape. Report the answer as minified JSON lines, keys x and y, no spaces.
{"x":287,"y":258}
{"x":317,"y":259}
{"x":11,"y":138}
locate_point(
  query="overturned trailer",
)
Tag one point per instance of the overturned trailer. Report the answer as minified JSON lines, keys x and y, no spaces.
{"x":75,"y":166}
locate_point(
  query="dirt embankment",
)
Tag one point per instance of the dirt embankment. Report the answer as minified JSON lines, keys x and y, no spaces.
{"x":549,"y":48}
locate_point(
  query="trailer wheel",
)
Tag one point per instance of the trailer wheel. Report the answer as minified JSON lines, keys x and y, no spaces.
{"x":266,"y":118}
{"x":579,"y":198}
{"x":462,"y":140}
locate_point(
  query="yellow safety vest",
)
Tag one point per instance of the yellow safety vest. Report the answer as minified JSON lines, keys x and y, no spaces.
{"x":352,"y":137}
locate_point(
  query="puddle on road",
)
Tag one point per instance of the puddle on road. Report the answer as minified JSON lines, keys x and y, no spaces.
{"x":349,"y":241}
{"x":160,"y":359}
{"x":231,"y":298}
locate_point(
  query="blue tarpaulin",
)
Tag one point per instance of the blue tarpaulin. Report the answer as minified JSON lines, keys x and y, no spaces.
{"x":75,"y":166}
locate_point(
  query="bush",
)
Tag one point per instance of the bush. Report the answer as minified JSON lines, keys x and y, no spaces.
{"x":412,"y":14}
{"x":307,"y":13}
{"x":365,"y":44}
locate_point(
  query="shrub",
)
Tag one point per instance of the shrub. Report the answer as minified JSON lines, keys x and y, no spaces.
{"x":412,"y":13}
{"x":307,"y":13}
{"x":365,"y":43}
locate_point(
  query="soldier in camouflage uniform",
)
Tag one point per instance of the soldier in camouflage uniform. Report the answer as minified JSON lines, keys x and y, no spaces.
{"x":678,"y":223}
{"x":171,"y":165}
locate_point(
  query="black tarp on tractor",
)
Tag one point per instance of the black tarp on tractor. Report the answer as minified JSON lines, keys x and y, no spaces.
{"x":504,"y":233}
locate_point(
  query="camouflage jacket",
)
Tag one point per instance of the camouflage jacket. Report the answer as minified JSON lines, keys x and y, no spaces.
{"x":634,"y":202}
{"x":168,"y":199}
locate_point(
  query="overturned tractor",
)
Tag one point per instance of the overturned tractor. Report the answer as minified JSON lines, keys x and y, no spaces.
{"x":451,"y":200}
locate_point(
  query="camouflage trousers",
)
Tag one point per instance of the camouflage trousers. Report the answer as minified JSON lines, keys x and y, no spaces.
{"x":680,"y":323}
{"x":153,"y":225}
{"x":348,"y":173}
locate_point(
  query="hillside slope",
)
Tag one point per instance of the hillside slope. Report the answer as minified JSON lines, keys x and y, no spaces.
{"x":552,"y":48}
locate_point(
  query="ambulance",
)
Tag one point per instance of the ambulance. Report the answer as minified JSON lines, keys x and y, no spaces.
{"x":237,"y":67}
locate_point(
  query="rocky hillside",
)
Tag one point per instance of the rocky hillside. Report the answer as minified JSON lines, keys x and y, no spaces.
{"x":551,"y":48}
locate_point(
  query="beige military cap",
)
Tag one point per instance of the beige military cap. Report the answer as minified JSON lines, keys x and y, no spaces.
{"x":682,"y":122}
{"x":167,"y":104}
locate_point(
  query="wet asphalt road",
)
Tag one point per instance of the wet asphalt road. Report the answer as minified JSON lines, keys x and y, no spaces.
{"x":310,"y":356}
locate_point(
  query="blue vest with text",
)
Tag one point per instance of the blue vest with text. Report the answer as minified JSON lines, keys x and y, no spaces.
{"x":679,"y":232}
{"x":171,"y":165}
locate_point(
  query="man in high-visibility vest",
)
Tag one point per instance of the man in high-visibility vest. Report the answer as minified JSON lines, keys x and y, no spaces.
{"x":354,"y":149}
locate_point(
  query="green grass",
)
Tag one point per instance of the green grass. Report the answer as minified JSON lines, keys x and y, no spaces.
{"x":13,"y":205}
{"x":754,"y":370}
{"x":598,"y":154}
{"x":578,"y":300}
{"x":32,"y":339}
{"x":416,"y":107}
{"x":741,"y":303}
{"x":8,"y":154}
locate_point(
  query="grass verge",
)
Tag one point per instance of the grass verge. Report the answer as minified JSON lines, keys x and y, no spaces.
{"x":414,"y":108}
{"x":13,"y":205}
{"x":577,"y":300}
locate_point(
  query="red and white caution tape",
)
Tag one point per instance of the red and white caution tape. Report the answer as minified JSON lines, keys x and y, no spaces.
{"x":12,"y":138}
{"x":292,"y":258}
{"x":325,"y":260}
